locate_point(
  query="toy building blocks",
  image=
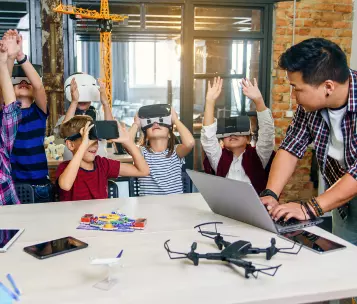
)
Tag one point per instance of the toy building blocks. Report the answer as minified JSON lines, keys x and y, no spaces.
{"x":114,"y":221}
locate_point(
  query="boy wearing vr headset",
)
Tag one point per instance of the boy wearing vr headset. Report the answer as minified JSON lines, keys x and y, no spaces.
{"x":10,"y":116}
{"x":28,"y":158}
{"x":81,"y":90}
{"x":86,"y":175}
{"x":164,"y":156}
{"x":238,"y":159}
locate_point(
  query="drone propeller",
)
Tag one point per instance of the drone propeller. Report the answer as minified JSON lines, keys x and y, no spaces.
{"x":216,"y":233}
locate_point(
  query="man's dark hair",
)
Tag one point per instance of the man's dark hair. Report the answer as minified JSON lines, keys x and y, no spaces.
{"x":318,"y":60}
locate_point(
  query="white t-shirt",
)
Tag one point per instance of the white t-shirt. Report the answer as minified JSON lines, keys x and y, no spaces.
{"x":102,"y":144}
{"x":336,"y":145}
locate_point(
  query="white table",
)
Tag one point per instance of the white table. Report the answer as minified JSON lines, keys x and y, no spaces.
{"x":148,"y":275}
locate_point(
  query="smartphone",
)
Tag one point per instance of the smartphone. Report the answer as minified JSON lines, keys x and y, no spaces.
{"x":106,"y":129}
{"x":312,"y":241}
{"x":56,"y":247}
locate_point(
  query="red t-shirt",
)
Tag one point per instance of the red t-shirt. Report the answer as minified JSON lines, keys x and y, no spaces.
{"x":90,"y":184}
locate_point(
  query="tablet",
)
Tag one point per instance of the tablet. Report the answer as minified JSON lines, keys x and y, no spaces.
{"x":8,"y":237}
{"x":312,"y":241}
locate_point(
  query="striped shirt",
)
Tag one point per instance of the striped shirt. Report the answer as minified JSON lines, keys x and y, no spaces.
{"x":28,"y":159}
{"x":165,"y":173}
{"x":10,"y":117}
{"x":307,"y":127}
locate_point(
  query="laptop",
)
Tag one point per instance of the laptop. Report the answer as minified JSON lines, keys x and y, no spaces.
{"x":239,"y":201}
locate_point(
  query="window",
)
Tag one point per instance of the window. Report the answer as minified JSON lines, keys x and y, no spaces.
{"x":16,"y":16}
{"x":153,"y":63}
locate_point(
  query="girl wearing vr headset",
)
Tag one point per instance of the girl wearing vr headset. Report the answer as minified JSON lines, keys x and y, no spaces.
{"x":28,"y":158}
{"x":160,"y":149}
{"x":238,"y":159}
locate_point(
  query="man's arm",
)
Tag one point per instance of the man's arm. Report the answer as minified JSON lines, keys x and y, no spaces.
{"x":292,"y":148}
{"x":282,"y":169}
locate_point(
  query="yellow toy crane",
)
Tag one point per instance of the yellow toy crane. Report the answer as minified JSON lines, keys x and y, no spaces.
{"x":105,"y":20}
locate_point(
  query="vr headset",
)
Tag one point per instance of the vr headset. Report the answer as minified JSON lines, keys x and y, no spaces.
{"x":87,"y":87}
{"x":233,"y":126}
{"x":159,"y":113}
{"x":18,"y":74}
{"x":104,"y":129}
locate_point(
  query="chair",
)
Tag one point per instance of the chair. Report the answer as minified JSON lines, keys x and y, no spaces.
{"x":134,"y":187}
{"x":25,"y":193}
{"x":187,"y":183}
{"x":113,"y":190}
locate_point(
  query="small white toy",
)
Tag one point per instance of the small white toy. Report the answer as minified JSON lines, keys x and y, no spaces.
{"x":48,"y":140}
{"x":55,"y":151}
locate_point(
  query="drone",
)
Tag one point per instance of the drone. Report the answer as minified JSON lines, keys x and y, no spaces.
{"x":233,"y":253}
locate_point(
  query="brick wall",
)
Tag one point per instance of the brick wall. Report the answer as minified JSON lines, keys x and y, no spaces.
{"x":330,"y":19}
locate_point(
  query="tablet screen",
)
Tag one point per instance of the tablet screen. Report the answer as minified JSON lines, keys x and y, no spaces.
{"x":6,"y":235}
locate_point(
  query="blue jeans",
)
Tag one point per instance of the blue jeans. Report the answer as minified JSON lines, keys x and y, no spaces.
{"x":43,"y":193}
{"x":346,"y":229}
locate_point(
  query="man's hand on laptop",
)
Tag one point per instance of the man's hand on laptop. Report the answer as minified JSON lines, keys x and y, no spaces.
{"x":269,"y":202}
{"x":288,"y":211}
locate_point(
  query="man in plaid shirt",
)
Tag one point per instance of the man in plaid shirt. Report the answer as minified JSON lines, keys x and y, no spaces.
{"x":10,"y":116}
{"x":326,"y":94}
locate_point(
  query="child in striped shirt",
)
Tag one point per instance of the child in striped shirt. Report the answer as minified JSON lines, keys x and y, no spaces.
{"x":10,"y":116}
{"x":164,"y":157}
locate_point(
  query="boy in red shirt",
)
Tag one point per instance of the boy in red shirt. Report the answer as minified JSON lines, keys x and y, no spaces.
{"x":86,"y":176}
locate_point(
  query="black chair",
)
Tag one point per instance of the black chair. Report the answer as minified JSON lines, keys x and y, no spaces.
{"x":25,"y":193}
{"x":187,"y":183}
{"x":134,"y":187}
{"x":113,"y":190}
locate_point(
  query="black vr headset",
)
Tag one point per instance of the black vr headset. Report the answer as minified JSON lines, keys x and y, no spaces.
{"x":18,"y":74}
{"x":239,"y":125}
{"x":159,"y":113}
{"x":104,"y":129}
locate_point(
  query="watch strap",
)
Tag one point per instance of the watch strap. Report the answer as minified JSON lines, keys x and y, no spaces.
{"x":268,"y":192}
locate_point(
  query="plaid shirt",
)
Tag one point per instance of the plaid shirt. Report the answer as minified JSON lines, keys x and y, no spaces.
{"x":10,"y":117}
{"x":307,"y":127}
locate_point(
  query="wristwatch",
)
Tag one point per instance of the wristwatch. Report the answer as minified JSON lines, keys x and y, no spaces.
{"x":268,"y":192}
{"x":23,"y":60}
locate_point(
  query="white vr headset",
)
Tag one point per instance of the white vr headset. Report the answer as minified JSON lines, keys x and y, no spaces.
{"x":159,"y":113}
{"x":239,"y":126}
{"x":87,"y":87}
{"x":18,"y":74}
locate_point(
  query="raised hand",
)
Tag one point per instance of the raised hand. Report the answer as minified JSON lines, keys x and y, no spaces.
{"x":74,"y":91}
{"x":251,"y":90}
{"x":174,"y":116}
{"x":13,"y":47}
{"x":214,"y":90}
{"x":85,"y":134}
{"x":3,"y":52}
{"x":137,"y":121}
{"x":124,"y":136}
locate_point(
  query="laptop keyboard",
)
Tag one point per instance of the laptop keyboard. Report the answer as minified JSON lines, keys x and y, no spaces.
{"x":289,"y":222}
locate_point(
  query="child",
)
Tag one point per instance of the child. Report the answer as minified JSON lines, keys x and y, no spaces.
{"x":81,"y":90}
{"x":164,"y":158}
{"x":238,"y":159}
{"x":10,"y":116}
{"x":28,"y":158}
{"x":86,"y":175}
